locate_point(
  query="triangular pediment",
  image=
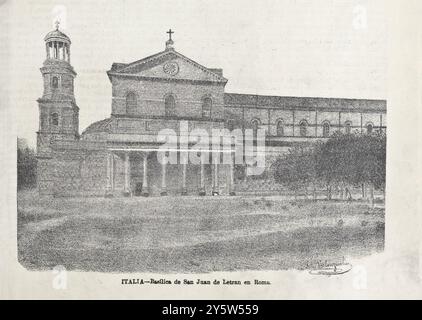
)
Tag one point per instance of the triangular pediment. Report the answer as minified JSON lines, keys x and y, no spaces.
{"x":168,"y":64}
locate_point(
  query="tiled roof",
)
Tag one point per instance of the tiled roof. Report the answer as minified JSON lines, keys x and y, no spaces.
{"x":236,"y":99}
{"x":99,"y":126}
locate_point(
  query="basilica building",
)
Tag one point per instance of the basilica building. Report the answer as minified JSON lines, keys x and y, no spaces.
{"x":117,"y":156}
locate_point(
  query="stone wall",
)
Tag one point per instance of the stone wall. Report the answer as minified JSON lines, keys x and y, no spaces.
{"x":74,"y":169}
{"x":268,"y":118}
{"x":265,"y":183}
{"x":150,"y":96}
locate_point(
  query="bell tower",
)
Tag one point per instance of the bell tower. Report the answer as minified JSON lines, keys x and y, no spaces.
{"x":58,"y":112}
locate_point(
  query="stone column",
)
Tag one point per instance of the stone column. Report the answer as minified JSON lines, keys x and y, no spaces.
{"x":47,"y":50}
{"x":145,"y":191}
{"x":127,"y":175}
{"x":110,"y":174}
{"x":184,"y":189}
{"x":113,"y":165}
{"x":316,"y":123}
{"x":364,"y":195}
{"x":202,"y":177}
{"x":64,"y":51}
{"x":293,"y":116}
{"x":215,"y":190}
{"x":163,"y":179}
{"x":56,"y":52}
{"x":231,"y":186}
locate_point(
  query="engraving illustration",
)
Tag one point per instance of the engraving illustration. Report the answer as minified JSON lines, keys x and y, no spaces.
{"x":184,"y":176}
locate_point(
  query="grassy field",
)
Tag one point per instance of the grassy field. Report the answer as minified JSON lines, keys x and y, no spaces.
{"x":192,"y":234}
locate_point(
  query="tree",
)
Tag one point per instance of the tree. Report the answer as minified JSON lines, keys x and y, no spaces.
{"x":26,"y":166}
{"x":336,"y":161}
{"x":352,"y":159}
{"x":342,"y":161}
{"x":296,"y":169}
{"x":371,"y":161}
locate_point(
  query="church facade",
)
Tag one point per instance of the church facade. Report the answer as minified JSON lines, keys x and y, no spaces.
{"x":118,"y":155}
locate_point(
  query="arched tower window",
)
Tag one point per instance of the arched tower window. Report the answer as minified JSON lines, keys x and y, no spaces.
{"x":348,"y":127}
{"x":131,"y":103}
{"x":170,"y":105}
{"x":55,"y":82}
{"x":369,"y":128}
{"x":326,"y":129}
{"x":303,"y":128}
{"x":280,"y":128}
{"x":54,"y":119}
{"x":255,"y":126}
{"x":206,"y":107}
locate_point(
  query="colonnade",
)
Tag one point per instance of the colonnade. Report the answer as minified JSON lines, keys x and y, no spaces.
{"x":58,"y":50}
{"x":110,"y":187}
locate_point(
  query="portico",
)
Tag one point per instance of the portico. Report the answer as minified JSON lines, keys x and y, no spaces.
{"x":139,"y":173}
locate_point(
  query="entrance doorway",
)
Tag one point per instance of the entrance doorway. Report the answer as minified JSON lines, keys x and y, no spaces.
{"x":138,"y":189}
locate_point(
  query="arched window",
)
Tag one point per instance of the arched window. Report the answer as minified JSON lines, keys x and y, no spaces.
{"x":348,"y":127}
{"x":369,"y":128}
{"x":255,"y":126}
{"x":326,"y":129}
{"x":206,"y":107}
{"x":54,"y":119}
{"x":131,"y":103}
{"x":303,"y":128}
{"x":170,"y":105}
{"x":230,"y":124}
{"x":280,"y":128}
{"x":55,"y":82}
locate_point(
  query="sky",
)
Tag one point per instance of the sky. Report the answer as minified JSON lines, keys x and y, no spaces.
{"x":324,"y":48}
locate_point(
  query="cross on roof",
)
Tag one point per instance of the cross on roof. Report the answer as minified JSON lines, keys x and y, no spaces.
{"x":57,"y":23}
{"x":170,"y":32}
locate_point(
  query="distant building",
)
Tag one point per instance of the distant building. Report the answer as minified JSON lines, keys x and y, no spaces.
{"x":117,"y":155}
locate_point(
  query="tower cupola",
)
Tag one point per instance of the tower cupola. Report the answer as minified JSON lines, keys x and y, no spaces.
{"x":57,"y":45}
